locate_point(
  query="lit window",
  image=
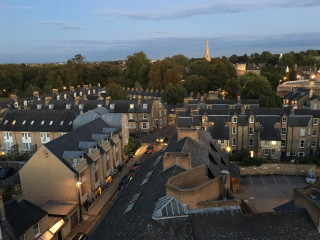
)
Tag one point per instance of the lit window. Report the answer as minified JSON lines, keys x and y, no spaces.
{"x":50,"y":122}
{"x":131,"y":106}
{"x":145,"y":106}
{"x":99,"y":105}
{"x":284,"y":120}
{"x":14,"y":122}
{"x":302,"y":132}
{"x":273,"y":142}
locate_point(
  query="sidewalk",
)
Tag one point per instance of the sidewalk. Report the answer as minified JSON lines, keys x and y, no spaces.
{"x":95,"y":213}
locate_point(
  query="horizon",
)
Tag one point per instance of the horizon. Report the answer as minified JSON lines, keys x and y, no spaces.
{"x":52,"y":32}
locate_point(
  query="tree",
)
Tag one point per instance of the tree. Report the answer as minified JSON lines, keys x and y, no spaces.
{"x":115,"y":91}
{"x":258,"y":87}
{"x":137,"y":68}
{"x":292,"y":76}
{"x":178,"y":60}
{"x":233,"y":88}
{"x":174,"y":94}
{"x":157,"y":74}
{"x":132,"y":146}
{"x":195,"y":83}
{"x":273,"y":74}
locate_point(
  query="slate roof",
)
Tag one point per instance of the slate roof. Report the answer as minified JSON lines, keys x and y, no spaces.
{"x":314,"y":113}
{"x":70,"y":141}
{"x":269,"y":133}
{"x":22,"y":215}
{"x":38,"y":121}
{"x":184,"y":121}
{"x":299,"y":120}
{"x":123,"y":106}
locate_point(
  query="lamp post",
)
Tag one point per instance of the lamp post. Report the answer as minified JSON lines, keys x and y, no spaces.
{"x":79,"y":200}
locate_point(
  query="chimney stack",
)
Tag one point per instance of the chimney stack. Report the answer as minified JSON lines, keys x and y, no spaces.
{"x":47,"y":100}
{"x":14,"y":97}
{"x":71,"y":88}
{"x":238,"y":98}
{"x":36,"y":94}
{"x":85,"y":86}
{"x":76,"y":100}
{"x":139,"y":99}
{"x":55,"y":91}
{"x":108,"y":100}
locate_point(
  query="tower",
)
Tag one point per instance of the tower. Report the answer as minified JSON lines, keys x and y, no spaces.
{"x":207,"y":55}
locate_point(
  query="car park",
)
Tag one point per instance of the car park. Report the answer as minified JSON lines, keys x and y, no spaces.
{"x":80,"y":236}
{"x":311,"y":177}
{"x":7,"y":172}
{"x":162,"y":139}
{"x":150,"y":149}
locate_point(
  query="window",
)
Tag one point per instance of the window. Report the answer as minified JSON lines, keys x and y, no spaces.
{"x":14,"y":122}
{"x":266,"y":152}
{"x":288,"y":154}
{"x":61,"y":123}
{"x":222,"y":141}
{"x":302,"y":131}
{"x":283,"y":131}
{"x":130,"y":116}
{"x":22,"y":237}
{"x":234,"y":142}
{"x":144,"y":116}
{"x":234,"y":130}
{"x":145,"y":125}
{"x":250,"y":142}
{"x":301,"y":143}
{"x":131,"y":106}
{"x":70,"y":123}
{"x":315,"y":121}
{"x":80,"y":106}
{"x":42,"y":122}
{"x":294,"y":154}
{"x":284,"y":120}
{"x":36,"y":228}
{"x":5,"y":122}
{"x":251,"y":120}
{"x":132,"y":125}
{"x":111,"y":106}
{"x":273,"y":152}
{"x":313,"y":144}
{"x":32,"y":122}
{"x":51,"y":106}
{"x":314,"y":133}
{"x":266,"y":142}
{"x":50,"y":122}
{"x":283,"y":143}
{"x":273,"y":142}
{"x":250,"y":131}
{"x":24,"y":122}
{"x":145,"y":106}
{"x":234,"y":120}
{"x":301,"y":154}
{"x":100,"y":105}
{"x":68,"y":106}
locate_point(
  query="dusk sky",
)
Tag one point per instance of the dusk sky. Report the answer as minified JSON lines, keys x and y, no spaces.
{"x":33,"y":31}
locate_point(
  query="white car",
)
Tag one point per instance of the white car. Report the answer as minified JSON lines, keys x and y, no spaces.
{"x":311,"y":177}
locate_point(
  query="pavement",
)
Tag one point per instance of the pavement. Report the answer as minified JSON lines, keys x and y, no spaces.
{"x":102,"y":204}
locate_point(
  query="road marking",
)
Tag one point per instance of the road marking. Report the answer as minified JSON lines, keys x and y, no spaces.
{"x":262,"y":180}
{"x":286,"y":178}
{"x":274,"y":179}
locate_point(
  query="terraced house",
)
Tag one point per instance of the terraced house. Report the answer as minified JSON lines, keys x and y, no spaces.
{"x":79,"y":164}
{"x":268,"y":133}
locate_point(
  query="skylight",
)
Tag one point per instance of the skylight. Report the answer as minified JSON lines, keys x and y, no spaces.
{"x":146,"y":179}
{"x":42,"y":122}
{"x":24,"y":122}
{"x":70,"y":122}
{"x":50,"y":122}
{"x":32,"y":122}
{"x":14,"y":122}
{"x":5,"y":122}
{"x":61,"y":123}
{"x":157,"y":160}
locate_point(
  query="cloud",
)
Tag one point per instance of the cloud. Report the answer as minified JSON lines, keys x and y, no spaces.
{"x":230,"y":7}
{"x":62,"y":25}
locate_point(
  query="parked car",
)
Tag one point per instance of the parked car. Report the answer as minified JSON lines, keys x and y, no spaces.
{"x":7,"y":172}
{"x":80,"y":236}
{"x":133,"y":171}
{"x":162,"y":139}
{"x":125,"y":180}
{"x":150,"y":149}
{"x":311,"y":177}
{"x":137,"y":163}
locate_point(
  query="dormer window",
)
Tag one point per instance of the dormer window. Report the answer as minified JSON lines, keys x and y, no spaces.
{"x":111,"y":106}
{"x":234,"y":120}
{"x":42,"y":122}
{"x":99,"y":105}
{"x":89,"y":92}
{"x":51,"y":106}
{"x":65,"y":96}
{"x":315,"y":121}
{"x":131,"y":106}
{"x":70,"y":123}
{"x":39,"y":106}
{"x":25,"y":103}
{"x":94,"y":91}
{"x":284,"y":120}
{"x":74,"y":95}
{"x":80,"y":106}
{"x":145,"y":106}
{"x":61,"y":123}
{"x":251,"y":120}
{"x":14,"y":122}
{"x":32,"y":122}
{"x":68,"y":106}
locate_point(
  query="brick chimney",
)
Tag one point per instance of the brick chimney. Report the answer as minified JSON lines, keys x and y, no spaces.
{"x":238,"y":98}
{"x":108,"y":100}
{"x":71,"y":88}
{"x":85,"y":86}
{"x":14,"y":97}
{"x":76,"y":100}
{"x":147,"y":90}
{"x":139,"y":99}
{"x":90,"y":86}
{"x":128,"y":89}
{"x":55,"y":91}
{"x":36,"y":94}
{"x":151,"y":90}
{"x":47,"y":100}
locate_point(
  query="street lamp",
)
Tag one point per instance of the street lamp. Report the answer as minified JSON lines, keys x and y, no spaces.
{"x":228,"y":149}
{"x":79,"y":200}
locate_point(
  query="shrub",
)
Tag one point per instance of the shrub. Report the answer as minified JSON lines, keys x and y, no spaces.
{"x":248,"y":162}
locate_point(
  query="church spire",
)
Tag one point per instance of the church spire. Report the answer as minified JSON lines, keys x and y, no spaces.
{"x":207,"y":55}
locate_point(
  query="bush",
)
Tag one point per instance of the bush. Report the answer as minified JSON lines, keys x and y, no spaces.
{"x":248,"y":162}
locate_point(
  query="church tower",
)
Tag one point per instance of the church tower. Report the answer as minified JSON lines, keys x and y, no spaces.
{"x":207,"y":55}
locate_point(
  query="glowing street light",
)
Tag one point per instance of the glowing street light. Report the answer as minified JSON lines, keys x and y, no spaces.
{"x":228,"y":149}
{"x":79,"y":200}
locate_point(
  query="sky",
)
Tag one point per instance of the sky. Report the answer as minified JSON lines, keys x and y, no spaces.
{"x":41,"y":31}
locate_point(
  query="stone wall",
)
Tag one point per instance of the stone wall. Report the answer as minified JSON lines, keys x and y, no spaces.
{"x":274,"y":168}
{"x":176,"y":158}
